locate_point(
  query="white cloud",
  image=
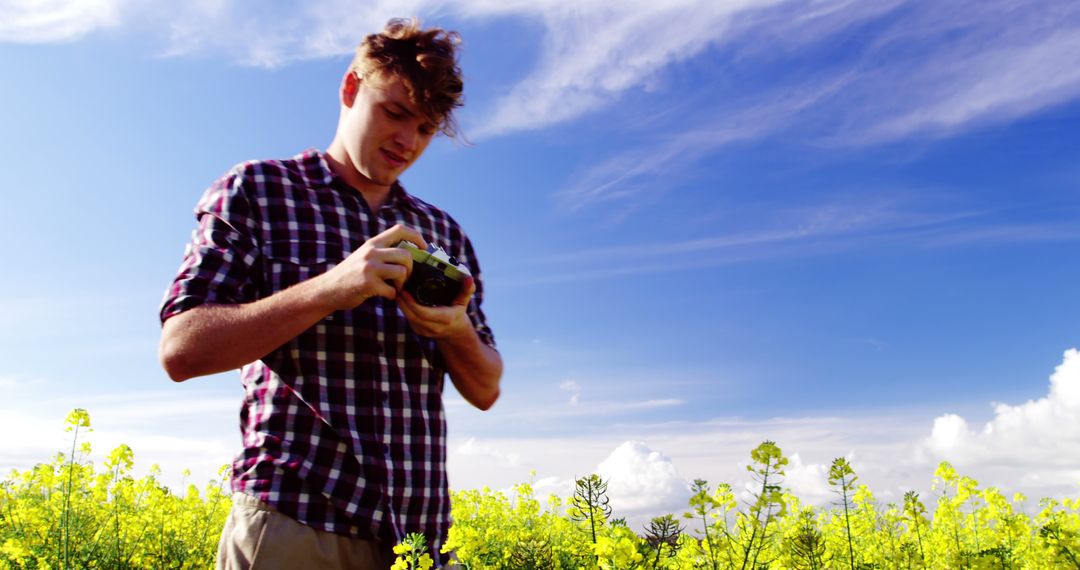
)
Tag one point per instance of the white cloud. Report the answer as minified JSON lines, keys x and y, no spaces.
{"x":267,"y":35}
{"x":1033,"y":448}
{"x":836,"y":219}
{"x":1041,"y":436}
{"x":574,"y":389}
{"x":997,"y":84}
{"x":929,"y":67}
{"x":15,"y":384}
{"x":642,"y":481}
{"x":596,"y":408}
{"x":595,"y":50}
{"x":474,"y":449}
{"x":177,"y":429}
{"x":817,"y":230}
{"x":45,"y":21}
{"x":618,"y":178}
{"x":808,"y":481}
{"x":930,"y":70}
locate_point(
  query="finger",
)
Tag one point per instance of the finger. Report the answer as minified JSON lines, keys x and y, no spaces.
{"x":392,"y":236}
{"x":396,"y":256}
{"x":413,"y":312}
{"x":434,"y":315}
{"x":393,"y":274}
{"x":407,"y":304}
{"x":385,"y":289}
{"x":466,"y":292}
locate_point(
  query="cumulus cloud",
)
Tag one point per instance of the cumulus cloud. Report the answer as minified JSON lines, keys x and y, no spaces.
{"x":808,"y":481}
{"x":642,"y":481}
{"x":1039,"y":440}
{"x":1030,"y":447}
{"x":474,"y":449}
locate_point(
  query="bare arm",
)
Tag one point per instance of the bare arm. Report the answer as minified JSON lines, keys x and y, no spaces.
{"x":475,"y":368}
{"x":214,"y":338}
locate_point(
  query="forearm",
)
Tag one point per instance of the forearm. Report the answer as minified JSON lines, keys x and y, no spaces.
{"x":214,"y":338}
{"x":475,"y":368}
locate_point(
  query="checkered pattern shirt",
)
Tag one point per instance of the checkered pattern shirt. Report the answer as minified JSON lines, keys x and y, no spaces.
{"x":343,"y":426}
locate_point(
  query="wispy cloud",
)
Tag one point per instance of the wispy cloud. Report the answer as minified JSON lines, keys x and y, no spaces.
{"x":908,"y":68}
{"x":824,"y":229}
{"x":574,"y":389}
{"x":593,"y":51}
{"x":934,"y":66}
{"x":177,"y":429}
{"x":46,"y":21}
{"x":1005,"y":81}
{"x":624,"y":176}
{"x":576,"y":407}
{"x":926,"y":70}
{"x":820,"y":221}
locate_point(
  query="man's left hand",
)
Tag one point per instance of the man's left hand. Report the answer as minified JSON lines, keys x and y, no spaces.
{"x":439,"y":322}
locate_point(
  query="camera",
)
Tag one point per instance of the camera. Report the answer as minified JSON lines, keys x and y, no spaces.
{"x":437,"y":278}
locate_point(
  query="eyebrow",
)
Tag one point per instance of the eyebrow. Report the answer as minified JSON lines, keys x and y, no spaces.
{"x":402,"y":109}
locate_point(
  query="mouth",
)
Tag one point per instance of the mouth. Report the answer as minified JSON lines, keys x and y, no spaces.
{"x":395,"y":160}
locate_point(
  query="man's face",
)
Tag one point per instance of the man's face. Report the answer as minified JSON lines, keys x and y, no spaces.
{"x":384,"y":131}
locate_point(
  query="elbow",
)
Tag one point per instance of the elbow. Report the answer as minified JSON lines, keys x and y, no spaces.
{"x":173,"y":360}
{"x":486,"y":403}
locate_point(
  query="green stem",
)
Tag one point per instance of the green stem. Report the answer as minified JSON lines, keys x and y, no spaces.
{"x":66,"y":516}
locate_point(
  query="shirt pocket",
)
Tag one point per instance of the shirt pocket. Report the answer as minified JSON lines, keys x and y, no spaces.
{"x":288,"y":262}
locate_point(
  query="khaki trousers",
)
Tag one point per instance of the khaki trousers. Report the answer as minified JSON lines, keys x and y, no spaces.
{"x":257,"y":537}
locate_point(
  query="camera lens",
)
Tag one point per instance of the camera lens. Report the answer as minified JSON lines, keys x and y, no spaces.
{"x":429,"y":291}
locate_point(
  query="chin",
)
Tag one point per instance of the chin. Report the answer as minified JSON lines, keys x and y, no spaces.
{"x":378,"y":178}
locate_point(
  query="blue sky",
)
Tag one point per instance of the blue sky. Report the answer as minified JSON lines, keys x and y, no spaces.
{"x":850,"y":227}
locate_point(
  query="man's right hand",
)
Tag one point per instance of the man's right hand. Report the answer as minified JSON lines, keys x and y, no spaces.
{"x":378,"y":269}
{"x":192,"y":342}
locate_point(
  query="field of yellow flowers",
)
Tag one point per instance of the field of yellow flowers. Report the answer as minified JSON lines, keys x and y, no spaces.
{"x":70,"y":514}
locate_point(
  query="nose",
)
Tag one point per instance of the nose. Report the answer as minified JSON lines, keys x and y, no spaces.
{"x":406,"y":138}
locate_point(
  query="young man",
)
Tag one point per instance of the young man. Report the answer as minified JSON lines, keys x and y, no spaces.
{"x":293,"y":276}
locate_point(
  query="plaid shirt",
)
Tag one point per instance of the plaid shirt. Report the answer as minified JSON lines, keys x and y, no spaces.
{"x":343,"y":426}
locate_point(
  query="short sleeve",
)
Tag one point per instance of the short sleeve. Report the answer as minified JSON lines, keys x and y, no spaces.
{"x":219,"y":264}
{"x":475,"y":312}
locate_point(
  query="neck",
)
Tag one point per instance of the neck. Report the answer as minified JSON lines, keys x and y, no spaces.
{"x":338,"y":160}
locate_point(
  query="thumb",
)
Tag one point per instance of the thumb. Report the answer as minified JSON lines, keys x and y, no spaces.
{"x":466,"y":291}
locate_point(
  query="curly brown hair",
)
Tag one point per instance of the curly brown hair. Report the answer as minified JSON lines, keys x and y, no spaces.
{"x":426,"y":61}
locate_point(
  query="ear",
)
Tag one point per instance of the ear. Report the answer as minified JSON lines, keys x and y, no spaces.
{"x":350,"y":86}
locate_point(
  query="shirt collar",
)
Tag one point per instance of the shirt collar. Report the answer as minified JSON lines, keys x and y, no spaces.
{"x":398,"y":196}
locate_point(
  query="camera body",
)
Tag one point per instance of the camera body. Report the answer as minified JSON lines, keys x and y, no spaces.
{"x":437,"y":278}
